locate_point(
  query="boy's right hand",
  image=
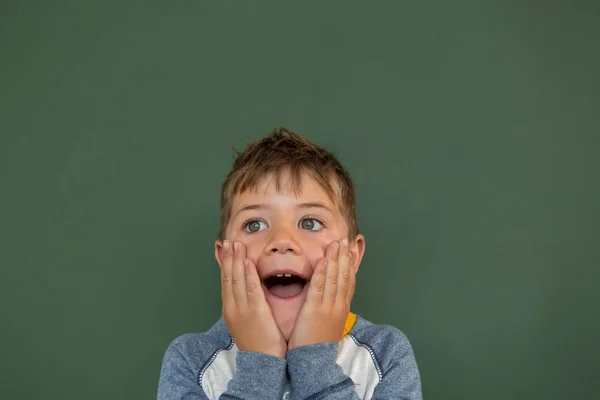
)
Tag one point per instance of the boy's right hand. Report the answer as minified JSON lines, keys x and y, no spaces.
{"x":245,"y":309}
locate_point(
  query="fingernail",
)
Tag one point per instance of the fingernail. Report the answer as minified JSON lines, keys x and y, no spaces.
{"x":336,"y":246}
{"x":226,"y":244}
{"x":345,"y":242}
{"x":236,"y":246}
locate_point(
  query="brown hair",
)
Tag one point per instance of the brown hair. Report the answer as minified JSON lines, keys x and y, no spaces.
{"x":287,"y":151}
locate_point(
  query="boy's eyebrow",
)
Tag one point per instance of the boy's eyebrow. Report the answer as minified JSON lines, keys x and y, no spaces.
{"x":316,"y":204}
{"x":262,"y":206}
{"x":247,"y":207}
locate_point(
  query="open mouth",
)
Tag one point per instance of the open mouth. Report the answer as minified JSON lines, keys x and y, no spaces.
{"x":285,"y":285}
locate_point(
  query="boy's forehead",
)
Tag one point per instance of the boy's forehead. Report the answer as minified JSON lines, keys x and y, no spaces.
{"x":267,"y":188}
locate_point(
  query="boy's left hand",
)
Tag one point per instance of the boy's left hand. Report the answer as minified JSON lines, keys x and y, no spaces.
{"x":331,"y":288}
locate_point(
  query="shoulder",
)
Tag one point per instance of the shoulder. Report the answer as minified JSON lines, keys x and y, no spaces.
{"x":380,"y":361}
{"x":187,"y":356}
{"x":198,"y":347}
{"x":191,"y":348}
{"x":388,"y":345}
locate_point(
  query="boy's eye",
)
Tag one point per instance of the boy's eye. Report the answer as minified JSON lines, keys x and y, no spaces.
{"x":254,"y":226}
{"x":310,"y":224}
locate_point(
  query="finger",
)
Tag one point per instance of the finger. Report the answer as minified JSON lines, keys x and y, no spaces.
{"x":331,"y":279}
{"x":254,"y":288}
{"x":226,"y":267}
{"x":238,"y":281}
{"x":351,"y":286}
{"x":344,"y":272}
{"x":316,"y":286}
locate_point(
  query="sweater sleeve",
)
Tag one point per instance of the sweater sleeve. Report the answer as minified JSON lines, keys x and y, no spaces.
{"x":314,"y":374}
{"x":258,"y":377}
{"x":400,"y":374}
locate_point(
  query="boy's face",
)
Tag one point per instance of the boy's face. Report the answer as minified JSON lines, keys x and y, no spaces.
{"x":287,"y":234}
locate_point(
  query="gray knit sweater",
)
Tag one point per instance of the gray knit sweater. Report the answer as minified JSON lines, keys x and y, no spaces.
{"x":370,"y":362}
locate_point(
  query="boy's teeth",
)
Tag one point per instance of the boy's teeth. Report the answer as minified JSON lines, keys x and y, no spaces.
{"x":288,"y":275}
{"x":282,"y":275}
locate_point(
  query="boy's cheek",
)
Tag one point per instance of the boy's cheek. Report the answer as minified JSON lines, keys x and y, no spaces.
{"x":253,"y":252}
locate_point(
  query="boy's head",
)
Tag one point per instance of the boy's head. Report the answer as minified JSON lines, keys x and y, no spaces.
{"x":287,"y":199}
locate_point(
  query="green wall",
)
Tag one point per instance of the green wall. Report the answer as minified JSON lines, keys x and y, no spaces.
{"x":471,"y":129}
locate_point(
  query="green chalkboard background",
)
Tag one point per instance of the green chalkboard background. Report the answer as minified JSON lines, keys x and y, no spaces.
{"x":471,"y":129}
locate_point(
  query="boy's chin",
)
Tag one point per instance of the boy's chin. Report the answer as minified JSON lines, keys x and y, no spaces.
{"x":286,"y":312}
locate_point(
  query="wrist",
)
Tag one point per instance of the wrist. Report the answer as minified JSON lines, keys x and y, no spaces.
{"x":294,"y":344}
{"x":269,"y":351}
{"x":276,"y":353}
{"x":313,"y":368}
{"x":267,"y":374}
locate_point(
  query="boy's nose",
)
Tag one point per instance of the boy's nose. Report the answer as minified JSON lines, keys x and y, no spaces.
{"x":282,"y":241}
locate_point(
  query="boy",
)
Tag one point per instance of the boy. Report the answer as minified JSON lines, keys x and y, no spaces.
{"x":288,"y":250}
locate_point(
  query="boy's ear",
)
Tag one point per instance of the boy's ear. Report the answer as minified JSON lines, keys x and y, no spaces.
{"x":219,"y":251}
{"x":357,"y":250}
